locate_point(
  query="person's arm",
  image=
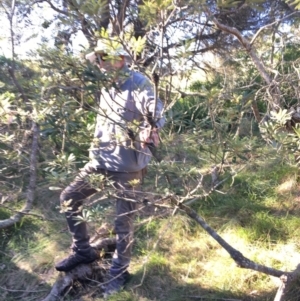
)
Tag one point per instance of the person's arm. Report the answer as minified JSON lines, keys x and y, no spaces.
{"x":153,"y":116}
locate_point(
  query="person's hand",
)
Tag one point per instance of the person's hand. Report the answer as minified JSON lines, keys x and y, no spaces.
{"x":149,"y":135}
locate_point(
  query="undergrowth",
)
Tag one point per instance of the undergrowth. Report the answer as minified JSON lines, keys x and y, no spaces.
{"x":256,"y":211}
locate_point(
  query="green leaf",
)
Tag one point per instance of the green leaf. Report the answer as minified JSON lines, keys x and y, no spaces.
{"x":54,"y":188}
{"x":71,"y":158}
{"x":282,"y":116}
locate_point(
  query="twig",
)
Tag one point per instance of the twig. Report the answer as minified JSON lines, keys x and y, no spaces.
{"x":268,"y":25}
{"x":276,"y":94}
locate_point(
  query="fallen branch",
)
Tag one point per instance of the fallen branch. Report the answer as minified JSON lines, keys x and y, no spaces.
{"x":286,"y":277}
{"x":85,"y":272}
{"x":82,"y":272}
{"x":237,"y":256}
{"x":63,"y":282}
{"x":286,"y":282}
{"x":281,"y":290}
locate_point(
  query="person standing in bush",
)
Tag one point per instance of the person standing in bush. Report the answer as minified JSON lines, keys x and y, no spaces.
{"x":128,"y":120}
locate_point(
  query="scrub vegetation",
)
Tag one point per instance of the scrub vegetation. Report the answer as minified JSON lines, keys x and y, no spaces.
{"x":256,"y":211}
{"x":229,"y":78}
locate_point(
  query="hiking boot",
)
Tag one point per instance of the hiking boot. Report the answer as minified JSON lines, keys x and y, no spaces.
{"x":75,"y":259}
{"x":116,"y":283}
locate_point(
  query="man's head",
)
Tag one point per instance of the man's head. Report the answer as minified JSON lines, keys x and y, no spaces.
{"x":108,"y":54}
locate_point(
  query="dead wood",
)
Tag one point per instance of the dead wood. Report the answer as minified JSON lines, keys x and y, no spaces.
{"x":287,"y":282}
{"x":83,"y":272}
{"x":65,"y":281}
{"x":100,"y":238}
{"x":237,"y":256}
{"x":282,"y":288}
{"x":106,"y":245}
{"x":102,"y":241}
{"x":287,"y":278}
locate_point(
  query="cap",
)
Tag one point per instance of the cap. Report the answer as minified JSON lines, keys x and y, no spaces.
{"x":91,"y":57}
{"x":110,"y":47}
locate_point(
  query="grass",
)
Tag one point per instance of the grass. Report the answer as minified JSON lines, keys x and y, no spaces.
{"x":174,"y":258}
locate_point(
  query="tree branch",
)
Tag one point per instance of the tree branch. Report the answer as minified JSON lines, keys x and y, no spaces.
{"x":237,"y":256}
{"x":274,"y":89}
{"x":52,"y":6}
{"x":271,"y":24}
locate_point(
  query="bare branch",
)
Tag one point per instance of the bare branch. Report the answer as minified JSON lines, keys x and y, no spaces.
{"x":53,"y":7}
{"x":273,"y":89}
{"x":237,"y":256}
{"x":271,"y":24}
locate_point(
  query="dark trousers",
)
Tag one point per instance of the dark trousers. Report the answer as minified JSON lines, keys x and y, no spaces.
{"x":72,"y":199}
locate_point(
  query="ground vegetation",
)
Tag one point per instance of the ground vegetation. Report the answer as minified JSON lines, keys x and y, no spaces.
{"x":227,"y":176}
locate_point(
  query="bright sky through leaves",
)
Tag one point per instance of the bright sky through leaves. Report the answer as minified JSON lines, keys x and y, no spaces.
{"x":28,"y":37}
